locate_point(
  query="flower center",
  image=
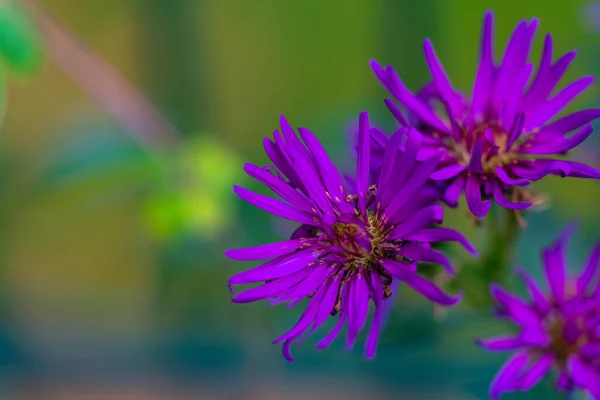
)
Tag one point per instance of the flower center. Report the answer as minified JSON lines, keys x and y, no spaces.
{"x":566,"y":337}
{"x":362,"y":243}
{"x":495,"y":149}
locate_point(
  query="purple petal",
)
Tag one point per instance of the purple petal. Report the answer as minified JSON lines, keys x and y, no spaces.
{"x":413,"y":103}
{"x":554,"y":262}
{"x":579,"y":170}
{"x":440,"y":80}
{"x":512,"y":100}
{"x":280,"y":187}
{"x":553,"y":106}
{"x":475,"y":164}
{"x":274,"y":288}
{"x":485,"y":72}
{"x":478,"y":207}
{"x":281,"y":266}
{"x":418,"y":252}
{"x":265,"y":251}
{"x":390,"y":157}
{"x":584,"y":375}
{"x":547,"y":83}
{"x":282,"y":163}
{"x":501,"y":200}
{"x":328,"y":302}
{"x":448,"y":172}
{"x":421,"y":285}
{"x":421,"y":219}
{"x":274,"y":206}
{"x":501,"y":343}
{"x":377,"y":294}
{"x":539,"y":300}
{"x":419,"y":176}
{"x":591,"y":270}
{"x":536,"y":372}
{"x":567,"y":124}
{"x":396,"y":112}
{"x":454,"y":190}
{"x":506,"y":379}
{"x":326,"y":341}
{"x":432,"y":235}
{"x":357,"y":313}
{"x":503,"y":176}
{"x":559,"y":145}
{"x":364,"y":163}
{"x":306,"y":319}
{"x":330,"y":174}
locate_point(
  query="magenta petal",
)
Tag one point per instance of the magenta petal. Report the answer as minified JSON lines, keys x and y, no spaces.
{"x":281,"y":266}
{"x":567,"y":124}
{"x":432,"y":235}
{"x":274,"y":206}
{"x":501,"y":200}
{"x":502,"y":343}
{"x":478,"y":207}
{"x":421,"y":219}
{"x":265,"y":251}
{"x":418,"y":252}
{"x":364,"y":163}
{"x":592,"y":269}
{"x":447,"y":172}
{"x":536,"y":372}
{"x":377,"y":294}
{"x":440,"y":79}
{"x":503,"y":176}
{"x":421,"y":285}
{"x":507,"y":377}
{"x":539,"y":300}
{"x":552,"y":107}
{"x":454,"y":190}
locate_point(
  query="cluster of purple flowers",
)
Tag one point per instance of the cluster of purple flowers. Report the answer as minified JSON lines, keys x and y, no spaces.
{"x":359,"y":237}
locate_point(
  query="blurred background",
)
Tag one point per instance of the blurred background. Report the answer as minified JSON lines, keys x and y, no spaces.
{"x":116,"y":202}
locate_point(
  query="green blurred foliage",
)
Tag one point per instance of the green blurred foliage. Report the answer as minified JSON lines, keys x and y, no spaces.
{"x":20,"y":41}
{"x":99,"y":228}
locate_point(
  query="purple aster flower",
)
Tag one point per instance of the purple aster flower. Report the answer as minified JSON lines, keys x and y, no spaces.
{"x":559,"y":330}
{"x":354,"y":244}
{"x":495,"y":142}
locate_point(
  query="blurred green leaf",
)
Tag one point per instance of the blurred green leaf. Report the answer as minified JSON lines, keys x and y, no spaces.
{"x":20,"y":43}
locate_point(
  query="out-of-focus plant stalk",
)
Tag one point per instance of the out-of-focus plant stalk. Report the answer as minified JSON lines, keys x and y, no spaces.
{"x":102,"y":83}
{"x":503,"y":229}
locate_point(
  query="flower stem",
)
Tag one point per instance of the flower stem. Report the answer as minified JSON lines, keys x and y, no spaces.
{"x":494,"y":265}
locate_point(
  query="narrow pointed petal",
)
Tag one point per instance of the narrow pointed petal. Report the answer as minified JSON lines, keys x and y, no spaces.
{"x":421,"y":285}
{"x":454,"y":190}
{"x":505,"y":178}
{"x":281,"y":266}
{"x":538,"y":297}
{"x":377,"y":294}
{"x":478,"y":207}
{"x":265,"y":251}
{"x":396,"y":112}
{"x":448,"y":172}
{"x":501,"y":343}
{"x":553,"y":106}
{"x":364,"y":163}
{"x":422,"y":219}
{"x":274,"y":206}
{"x":440,"y":79}
{"x":592,"y":269}
{"x":506,"y":379}
{"x":501,"y":200}
{"x":417,"y":252}
{"x":432,"y":235}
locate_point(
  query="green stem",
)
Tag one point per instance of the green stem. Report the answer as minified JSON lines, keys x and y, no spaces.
{"x":496,"y":262}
